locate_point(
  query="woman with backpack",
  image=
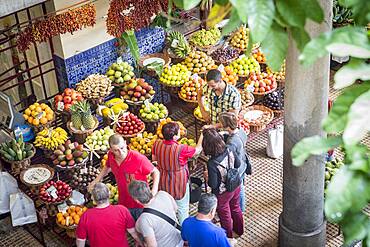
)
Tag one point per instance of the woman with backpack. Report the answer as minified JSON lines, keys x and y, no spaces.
{"x":224,"y":180}
{"x":235,"y":139}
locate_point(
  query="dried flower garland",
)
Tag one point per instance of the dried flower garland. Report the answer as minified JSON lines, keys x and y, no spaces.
{"x":124,"y":15}
{"x":67,"y":22}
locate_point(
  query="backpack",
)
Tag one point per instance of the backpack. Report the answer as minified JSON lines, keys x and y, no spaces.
{"x":248,"y":165}
{"x":232,"y":180}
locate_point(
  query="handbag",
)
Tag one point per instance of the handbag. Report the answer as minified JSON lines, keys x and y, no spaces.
{"x":275,"y":142}
{"x":163,"y":216}
{"x":22,"y":209}
{"x":8,"y":185}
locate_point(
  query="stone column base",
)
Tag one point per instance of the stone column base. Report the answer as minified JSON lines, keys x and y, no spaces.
{"x":289,"y":238}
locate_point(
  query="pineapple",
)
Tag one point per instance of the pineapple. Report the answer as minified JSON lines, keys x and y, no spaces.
{"x":76,"y":116}
{"x":88,"y":120}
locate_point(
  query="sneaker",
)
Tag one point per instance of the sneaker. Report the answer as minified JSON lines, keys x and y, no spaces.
{"x":232,"y":241}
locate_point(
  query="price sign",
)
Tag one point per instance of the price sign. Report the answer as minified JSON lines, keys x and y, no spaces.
{"x":119,"y":60}
{"x":52,"y":191}
{"x":146,"y":103}
{"x":175,"y":43}
{"x":40,"y":115}
{"x":195,"y":77}
{"x":60,"y":106}
{"x":62,"y":207}
{"x":83,"y":170}
{"x":250,"y":88}
{"x":140,"y":135}
{"x":242,"y":56}
{"x":72,"y":146}
{"x":221,"y":68}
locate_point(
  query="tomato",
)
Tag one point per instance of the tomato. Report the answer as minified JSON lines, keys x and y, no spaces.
{"x":67,"y":100}
{"x":58,"y":98}
{"x":68,"y":91}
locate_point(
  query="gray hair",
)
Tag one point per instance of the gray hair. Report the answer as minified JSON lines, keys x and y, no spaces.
{"x":140,"y":191}
{"x":116,"y":139}
{"x":207,"y":202}
{"x":100,"y":193}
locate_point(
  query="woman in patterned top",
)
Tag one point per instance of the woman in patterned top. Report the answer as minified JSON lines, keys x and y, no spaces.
{"x":172,"y":159}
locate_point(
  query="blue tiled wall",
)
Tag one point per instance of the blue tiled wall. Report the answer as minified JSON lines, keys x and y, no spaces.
{"x":97,"y":59}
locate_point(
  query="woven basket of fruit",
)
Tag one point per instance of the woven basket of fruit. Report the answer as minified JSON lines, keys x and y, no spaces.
{"x":257,"y":116}
{"x":190,"y":103}
{"x":261,"y":83}
{"x":138,"y":103}
{"x":81,"y":135}
{"x":70,"y":219}
{"x":199,"y":62}
{"x":161,"y":58}
{"x":95,"y":86}
{"x":17,"y":153}
{"x":204,"y":40}
{"x":129,"y":125}
{"x":35,"y":176}
{"x":69,"y":155}
{"x":54,"y":193}
{"x":247,"y":98}
{"x":183,"y":131}
{"x":120,"y":73}
{"x":143,"y":143}
{"x":225,"y":55}
{"x":128,"y":136}
{"x":98,"y":140}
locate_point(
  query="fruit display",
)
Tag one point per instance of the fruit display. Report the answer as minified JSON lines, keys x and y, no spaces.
{"x":153,"y":112}
{"x":280,"y":75}
{"x":83,"y":177}
{"x":168,"y":120}
{"x":245,"y":65}
{"x":129,"y":124}
{"x":112,"y":106}
{"x":64,"y":101}
{"x":69,"y":154}
{"x":246,"y":97}
{"x":95,"y":86}
{"x":189,"y":142}
{"x":120,"y":72}
{"x":261,"y":82}
{"x":16,"y":150}
{"x":258,"y":115}
{"x":199,"y":62}
{"x":224,"y":55}
{"x":204,"y":38}
{"x":81,"y":116}
{"x":51,"y":138}
{"x":137,"y":90}
{"x":178,"y":44}
{"x":198,"y":114}
{"x":55,"y":192}
{"x":104,"y":160}
{"x":189,"y":89}
{"x":38,"y":114}
{"x":36,"y":175}
{"x":229,"y":76}
{"x":175,"y":75}
{"x":331,"y":168}
{"x":72,"y":216}
{"x":143,"y":143}
{"x":98,"y":140}
{"x":259,"y":56}
{"x":240,"y":38}
{"x":274,"y":100}
{"x":113,"y":193}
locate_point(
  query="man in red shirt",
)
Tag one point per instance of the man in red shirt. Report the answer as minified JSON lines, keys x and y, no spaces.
{"x":127,"y":165}
{"x":105,"y":224}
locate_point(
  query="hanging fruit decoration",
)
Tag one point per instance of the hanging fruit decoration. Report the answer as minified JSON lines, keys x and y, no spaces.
{"x":124,"y":15}
{"x":66,"y":22}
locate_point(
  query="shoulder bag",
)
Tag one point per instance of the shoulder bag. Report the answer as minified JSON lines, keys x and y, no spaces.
{"x":163,"y":216}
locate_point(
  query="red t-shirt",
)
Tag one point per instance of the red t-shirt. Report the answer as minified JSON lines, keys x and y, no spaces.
{"x":105,"y":226}
{"x":186,"y":153}
{"x":136,"y":165}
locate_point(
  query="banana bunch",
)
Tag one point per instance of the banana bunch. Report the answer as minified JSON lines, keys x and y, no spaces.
{"x":178,"y":44}
{"x":50,"y":138}
{"x":16,"y":150}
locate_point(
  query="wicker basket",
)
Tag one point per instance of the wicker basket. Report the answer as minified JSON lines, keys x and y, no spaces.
{"x":81,"y":135}
{"x":171,"y":89}
{"x":260,"y":126}
{"x":190,"y":103}
{"x":35,"y":188}
{"x":164,"y":56}
{"x":261,"y":95}
{"x":74,"y":166}
{"x":244,"y":105}
{"x":18,"y":166}
{"x":138,"y":103}
{"x":40,"y":127}
{"x":174,"y":59}
{"x":70,"y":230}
{"x":128,"y":137}
{"x":278,"y":113}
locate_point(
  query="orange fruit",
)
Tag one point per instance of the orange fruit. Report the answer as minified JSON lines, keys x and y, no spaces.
{"x":36,"y":122}
{"x":76,"y":218}
{"x":49,"y":110}
{"x":63,"y":222}
{"x":73,"y":214}
{"x":59,"y":214}
{"x":44,"y":106}
{"x":84,"y":209}
{"x":77,"y":209}
{"x":79,"y":213}
{"x":38,"y":109}
{"x":30,"y":119}
{"x":25,"y":116}
{"x":32,"y":107}
{"x":27,"y":111}
{"x":43,"y":120}
{"x":49,"y":116}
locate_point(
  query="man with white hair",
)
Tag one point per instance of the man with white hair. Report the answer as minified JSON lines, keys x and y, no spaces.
{"x":105,"y":225}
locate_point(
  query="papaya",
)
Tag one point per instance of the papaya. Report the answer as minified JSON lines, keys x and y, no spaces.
{"x":19,"y":154}
{"x":29,"y":153}
{"x":8,"y":157}
{"x":11,"y":152}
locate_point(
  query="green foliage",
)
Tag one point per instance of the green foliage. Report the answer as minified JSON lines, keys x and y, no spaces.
{"x":131,"y":41}
{"x":233,"y":23}
{"x":313,"y":145}
{"x":356,"y":69}
{"x":186,"y":4}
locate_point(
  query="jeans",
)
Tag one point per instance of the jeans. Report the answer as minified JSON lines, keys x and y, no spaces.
{"x":242,"y":195}
{"x":229,"y":212}
{"x":183,"y":205}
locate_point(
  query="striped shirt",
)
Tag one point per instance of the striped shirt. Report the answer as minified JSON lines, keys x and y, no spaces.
{"x":229,"y":100}
{"x":174,"y":172}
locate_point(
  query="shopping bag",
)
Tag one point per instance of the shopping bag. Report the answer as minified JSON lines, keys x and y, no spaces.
{"x":8,"y":185}
{"x":275,"y":142}
{"x":22,"y":209}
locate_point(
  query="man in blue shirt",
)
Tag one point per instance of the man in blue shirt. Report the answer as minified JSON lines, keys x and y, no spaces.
{"x":199,"y":231}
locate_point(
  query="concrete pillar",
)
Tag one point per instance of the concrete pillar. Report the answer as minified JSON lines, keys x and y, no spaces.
{"x":302,"y":221}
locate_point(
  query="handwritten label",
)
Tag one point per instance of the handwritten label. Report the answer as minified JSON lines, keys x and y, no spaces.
{"x":221,"y":68}
{"x":175,"y":43}
{"x":242,"y":56}
{"x":140,"y":135}
{"x":83,"y":170}
{"x":40,"y":115}
{"x":250,"y":88}
{"x":146,"y":103}
{"x":195,"y":77}
{"x":52,"y":191}
{"x":62,"y":207}
{"x":60,"y":106}
{"x":72,"y":146}
{"x":119,"y":60}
